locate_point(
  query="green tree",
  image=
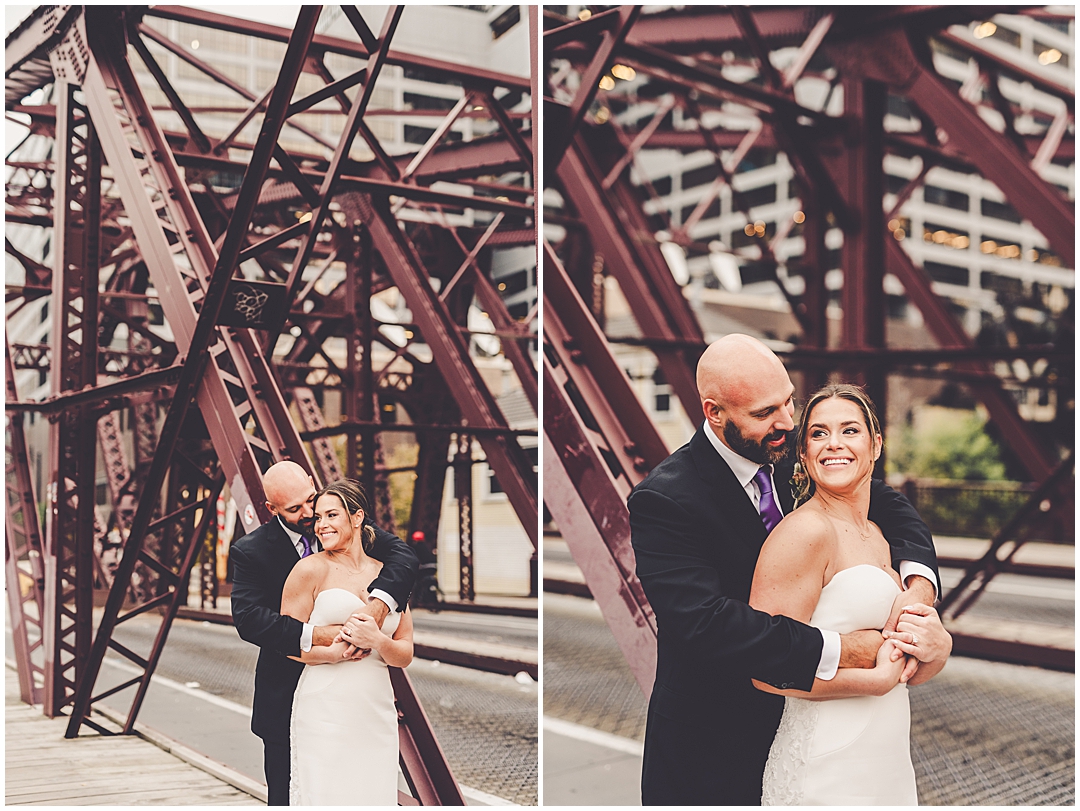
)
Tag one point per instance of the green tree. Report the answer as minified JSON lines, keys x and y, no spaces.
{"x":946,"y":444}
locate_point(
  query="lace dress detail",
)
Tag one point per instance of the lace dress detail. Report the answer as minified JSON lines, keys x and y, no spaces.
{"x":786,"y":768}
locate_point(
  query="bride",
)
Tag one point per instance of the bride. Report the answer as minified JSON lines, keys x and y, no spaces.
{"x":344,"y":722}
{"x":827,"y":565}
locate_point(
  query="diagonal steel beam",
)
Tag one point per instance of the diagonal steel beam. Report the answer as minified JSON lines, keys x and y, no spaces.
{"x":478,"y":408}
{"x":590,"y":78}
{"x":201,"y":334}
{"x":990,"y":152}
{"x":24,"y":572}
{"x":352,"y":126}
{"x":619,"y":232}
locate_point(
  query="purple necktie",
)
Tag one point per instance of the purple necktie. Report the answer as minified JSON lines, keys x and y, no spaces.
{"x":307,"y":546}
{"x":770,"y":513}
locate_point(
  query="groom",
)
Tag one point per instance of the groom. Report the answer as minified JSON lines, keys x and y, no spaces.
{"x":697,"y":523}
{"x":261,"y":562}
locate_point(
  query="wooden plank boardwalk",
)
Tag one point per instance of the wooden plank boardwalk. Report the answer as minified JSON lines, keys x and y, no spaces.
{"x":44,"y":768}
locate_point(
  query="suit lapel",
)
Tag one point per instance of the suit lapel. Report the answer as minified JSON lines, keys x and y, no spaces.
{"x":736,"y":506}
{"x":283,"y":544}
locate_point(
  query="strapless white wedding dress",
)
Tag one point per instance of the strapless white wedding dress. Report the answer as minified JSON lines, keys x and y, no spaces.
{"x":845,"y":751}
{"x":344,"y":722}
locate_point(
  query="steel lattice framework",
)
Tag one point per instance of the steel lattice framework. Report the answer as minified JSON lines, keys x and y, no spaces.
{"x":136,"y":217}
{"x":717,"y":68}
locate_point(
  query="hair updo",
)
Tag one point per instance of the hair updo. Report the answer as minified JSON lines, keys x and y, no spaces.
{"x":352,"y":496}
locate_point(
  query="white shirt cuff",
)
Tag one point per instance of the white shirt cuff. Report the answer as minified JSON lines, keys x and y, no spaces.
{"x":305,"y":637}
{"x":911,"y":567}
{"x":830,"y":655}
{"x":379,"y":594}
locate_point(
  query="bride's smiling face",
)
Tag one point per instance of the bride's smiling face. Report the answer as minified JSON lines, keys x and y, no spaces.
{"x":334,"y":526}
{"x":840,"y":450}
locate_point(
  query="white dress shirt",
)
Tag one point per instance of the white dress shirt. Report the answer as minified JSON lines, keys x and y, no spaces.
{"x":305,"y":635}
{"x":744,"y":471}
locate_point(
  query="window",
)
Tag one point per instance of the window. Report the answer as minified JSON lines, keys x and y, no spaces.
{"x":1049,"y":55}
{"x":946,"y":236}
{"x":1007,"y":35}
{"x":948,"y":274}
{"x":699,"y":177}
{"x":898,"y":106}
{"x":428,"y":75}
{"x":711,"y":212}
{"x":1044,"y":256}
{"x":760,"y":196}
{"x":756,"y":272}
{"x":896,"y":306}
{"x":662,"y":185}
{"x":418,"y":101}
{"x":512,"y":282}
{"x":1007,"y":285}
{"x":417,"y":135}
{"x":388,"y":413}
{"x":935,"y":195}
{"x":999,"y":211}
{"x":895,"y":184}
{"x":505,"y":21}
{"x":756,"y":158}
{"x":1001,"y":248}
{"x":661,"y":392}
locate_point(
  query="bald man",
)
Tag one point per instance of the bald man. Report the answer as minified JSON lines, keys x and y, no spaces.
{"x":261,"y":563}
{"x":697,"y":523}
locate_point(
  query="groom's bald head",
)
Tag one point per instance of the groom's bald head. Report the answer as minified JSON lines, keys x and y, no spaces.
{"x":290,"y":494}
{"x":737,"y":368}
{"x":746,"y":396}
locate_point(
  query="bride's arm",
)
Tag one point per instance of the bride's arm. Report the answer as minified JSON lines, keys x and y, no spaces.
{"x":788,"y":581}
{"x":850,"y":681}
{"x":298,"y":601}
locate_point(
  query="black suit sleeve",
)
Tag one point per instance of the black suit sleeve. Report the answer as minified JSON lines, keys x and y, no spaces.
{"x":255,"y":620}
{"x":400,"y":566}
{"x":687,"y":593}
{"x":908,"y":536}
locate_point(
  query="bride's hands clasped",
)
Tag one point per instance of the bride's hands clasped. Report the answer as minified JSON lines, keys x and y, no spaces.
{"x":920,"y":634}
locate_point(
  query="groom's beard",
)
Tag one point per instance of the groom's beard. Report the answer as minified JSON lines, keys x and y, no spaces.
{"x":303,"y":527}
{"x":760,"y":451}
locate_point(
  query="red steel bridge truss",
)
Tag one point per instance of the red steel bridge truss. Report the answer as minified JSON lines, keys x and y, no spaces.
{"x":193,"y":316}
{"x":747,"y":63}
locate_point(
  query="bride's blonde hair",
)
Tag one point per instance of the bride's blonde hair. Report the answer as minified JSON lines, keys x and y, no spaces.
{"x":801,"y":483}
{"x":353,"y":497}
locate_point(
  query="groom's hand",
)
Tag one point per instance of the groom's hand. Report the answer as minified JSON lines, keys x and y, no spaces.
{"x":374,"y":608}
{"x":919,"y":590}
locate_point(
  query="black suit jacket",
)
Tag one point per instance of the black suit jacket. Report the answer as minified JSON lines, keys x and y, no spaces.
{"x":261,"y":562}
{"x":696,"y":536}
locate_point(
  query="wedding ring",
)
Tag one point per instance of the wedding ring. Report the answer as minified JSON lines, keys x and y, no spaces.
{"x":914,"y":639}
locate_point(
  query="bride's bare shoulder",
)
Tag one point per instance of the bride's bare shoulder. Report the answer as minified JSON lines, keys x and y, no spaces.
{"x":313,"y":567}
{"x":804,"y":533}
